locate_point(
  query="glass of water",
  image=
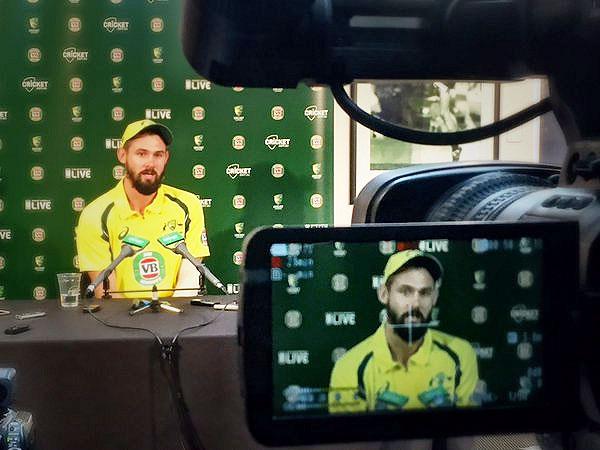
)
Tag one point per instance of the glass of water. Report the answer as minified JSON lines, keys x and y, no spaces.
{"x":68,"y":285}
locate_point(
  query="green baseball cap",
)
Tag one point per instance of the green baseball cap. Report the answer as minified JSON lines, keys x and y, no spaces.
{"x":413,"y":258}
{"x":135,"y":128}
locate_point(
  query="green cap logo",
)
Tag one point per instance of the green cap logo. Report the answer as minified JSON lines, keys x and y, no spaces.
{"x":278,"y":199}
{"x":149,"y":268}
{"x":239,"y":227}
{"x":2,"y":293}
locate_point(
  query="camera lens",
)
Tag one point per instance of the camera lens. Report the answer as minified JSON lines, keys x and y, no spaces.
{"x":484,"y":197}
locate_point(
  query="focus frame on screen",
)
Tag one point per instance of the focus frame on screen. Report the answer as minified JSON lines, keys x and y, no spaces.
{"x":557,"y":404}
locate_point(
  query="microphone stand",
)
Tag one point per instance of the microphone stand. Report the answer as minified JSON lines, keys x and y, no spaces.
{"x":155,"y":305}
{"x":106,"y":288}
{"x":201,"y":285}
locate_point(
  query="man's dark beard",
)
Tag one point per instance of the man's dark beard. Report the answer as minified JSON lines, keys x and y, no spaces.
{"x":408,"y":334}
{"x":145,"y":188}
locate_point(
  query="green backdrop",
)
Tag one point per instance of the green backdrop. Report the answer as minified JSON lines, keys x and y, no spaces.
{"x":75,"y":72}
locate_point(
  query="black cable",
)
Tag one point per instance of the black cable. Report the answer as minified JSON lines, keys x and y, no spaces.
{"x":425,"y":137}
{"x":170,"y":368}
{"x":125,"y":327}
{"x":170,"y":357}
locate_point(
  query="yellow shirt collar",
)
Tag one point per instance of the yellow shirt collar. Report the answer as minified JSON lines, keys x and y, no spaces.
{"x":122,"y":203}
{"x":383,"y":355}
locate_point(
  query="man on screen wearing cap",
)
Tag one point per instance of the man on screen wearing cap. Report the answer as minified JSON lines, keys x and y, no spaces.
{"x":141,"y":206}
{"x":405,"y":364}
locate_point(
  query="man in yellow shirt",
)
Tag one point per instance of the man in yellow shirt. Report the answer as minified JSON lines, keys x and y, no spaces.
{"x":405,"y":364}
{"x":141,"y":206}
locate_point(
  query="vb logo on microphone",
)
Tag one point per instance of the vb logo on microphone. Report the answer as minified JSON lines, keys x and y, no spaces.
{"x":149,"y":268}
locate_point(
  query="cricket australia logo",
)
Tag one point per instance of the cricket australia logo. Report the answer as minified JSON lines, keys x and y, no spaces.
{"x":113,"y":24}
{"x":33,"y":83}
{"x":273,"y":141}
{"x":72,"y":54}
{"x":233,"y":170}
{"x":149,"y":268}
{"x":311,"y":113}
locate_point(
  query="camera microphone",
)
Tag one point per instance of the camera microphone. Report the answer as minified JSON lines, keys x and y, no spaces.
{"x":131,"y":245}
{"x":176,"y":243}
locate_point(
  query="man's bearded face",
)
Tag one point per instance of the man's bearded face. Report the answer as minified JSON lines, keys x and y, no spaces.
{"x":145,"y":161}
{"x":409,"y":297}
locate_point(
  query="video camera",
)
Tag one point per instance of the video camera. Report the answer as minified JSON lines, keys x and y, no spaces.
{"x":16,"y":427}
{"x":273,"y":43}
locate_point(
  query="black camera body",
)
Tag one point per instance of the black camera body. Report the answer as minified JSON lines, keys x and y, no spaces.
{"x":271,"y":43}
{"x":16,"y":427}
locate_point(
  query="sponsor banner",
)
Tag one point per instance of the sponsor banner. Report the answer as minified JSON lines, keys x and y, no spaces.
{"x":74,"y":24}
{"x":157,"y":55}
{"x":197,"y":85}
{"x":198,"y":171}
{"x":112,"y":24}
{"x":157,"y":84}
{"x":277,"y":113}
{"x":117,"y":55}
{"x":273,"y":141}
{"x":34,"y":55}
{"x":230,"y":133}
{"x":277,"y":170}
{"x":74,"y":54}
{"x":312,"y":112}
{"x":198,"y":143}
{"x":198,"y":113}
{"x":238,"y":113}
{"x":75,"y":84}
{"x":36,"y":114}
{"x":238,"y":142}
{"x":118,"y":172}
{"x":77,"y":143}
{"x":117,"y":84}
{"x":38,"y":234}
{"x":31,"y":84}
{"x":234,"y":170}
{"x":157,"y":24}
{"x":78,"y":173}
{"x":158,"y":113}
{"x":38,"y":205}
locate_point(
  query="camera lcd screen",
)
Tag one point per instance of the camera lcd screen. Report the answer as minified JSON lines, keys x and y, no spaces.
{"x":412,"y":322}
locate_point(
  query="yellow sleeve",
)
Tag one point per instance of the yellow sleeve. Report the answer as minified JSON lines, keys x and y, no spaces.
{"x":469,"y":377}
{"x":93,"y":251}
{"x":196,"y":238}
{"x":343,"y":394}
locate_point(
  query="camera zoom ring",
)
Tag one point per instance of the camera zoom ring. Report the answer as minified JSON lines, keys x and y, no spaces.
{"x":460,"y":202}
{"x":494,"y":206}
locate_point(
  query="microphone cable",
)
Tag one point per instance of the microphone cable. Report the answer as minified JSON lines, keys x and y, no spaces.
{"x":169,"y":363}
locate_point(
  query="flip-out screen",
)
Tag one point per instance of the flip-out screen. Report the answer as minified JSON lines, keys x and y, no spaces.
{"x":400,"y":323}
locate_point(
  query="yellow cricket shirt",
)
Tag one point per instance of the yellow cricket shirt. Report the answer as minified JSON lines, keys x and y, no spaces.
{"x":443,"y":372}
{"x":108,"y":219}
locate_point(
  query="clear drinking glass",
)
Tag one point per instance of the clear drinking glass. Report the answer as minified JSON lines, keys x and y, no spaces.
{"x":68,"y":285}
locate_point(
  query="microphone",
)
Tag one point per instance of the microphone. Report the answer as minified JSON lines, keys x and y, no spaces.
{"x":131,"y":245}
{"x":176,"y":243}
